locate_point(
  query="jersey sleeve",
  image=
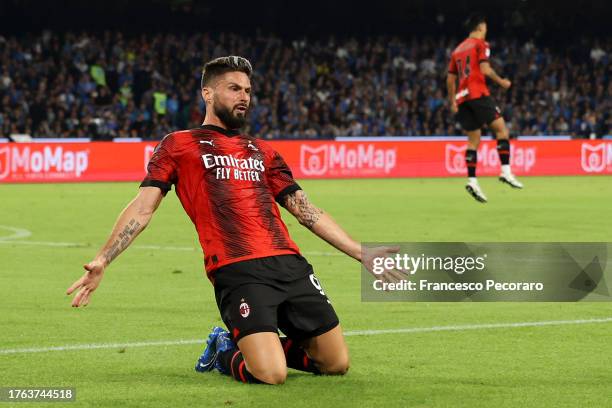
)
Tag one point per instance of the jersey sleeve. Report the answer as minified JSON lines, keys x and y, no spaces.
{"x":279,"y":177}
{"x":483,"y":52}
{"x":452,"y":65}
{"x":161,"y":170}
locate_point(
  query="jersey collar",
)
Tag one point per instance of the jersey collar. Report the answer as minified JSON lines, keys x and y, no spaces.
{"x":226,"y":132}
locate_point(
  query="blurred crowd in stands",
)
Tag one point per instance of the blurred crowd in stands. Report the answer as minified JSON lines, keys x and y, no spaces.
{"x":106,"y":86}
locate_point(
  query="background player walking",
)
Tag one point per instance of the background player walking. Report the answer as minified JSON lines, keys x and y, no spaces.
{"x":473,"y":104}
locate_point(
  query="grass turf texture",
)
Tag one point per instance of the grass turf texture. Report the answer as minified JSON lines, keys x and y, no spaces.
{"x":161,"y":294}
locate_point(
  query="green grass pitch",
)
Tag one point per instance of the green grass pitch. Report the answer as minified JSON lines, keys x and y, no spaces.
{"x":160,"y":294}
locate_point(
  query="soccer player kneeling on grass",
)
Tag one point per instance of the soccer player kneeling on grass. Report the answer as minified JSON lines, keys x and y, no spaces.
{"x":229,"y":184}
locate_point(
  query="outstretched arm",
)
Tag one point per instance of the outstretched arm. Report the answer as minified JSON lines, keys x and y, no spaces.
{"x":326,"y":228}
{"x":132,"y":220}
{"x":321,"y":224}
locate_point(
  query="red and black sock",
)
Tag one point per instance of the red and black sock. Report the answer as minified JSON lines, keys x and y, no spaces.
{"x":471,"y":160}
{"x":503,"y":149}
{"x":297,"y":358}
{"x":233,"y":363}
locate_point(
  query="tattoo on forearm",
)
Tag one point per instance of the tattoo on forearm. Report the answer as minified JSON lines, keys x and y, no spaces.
{"x":299,"y":205}
{"x":123,"y":241}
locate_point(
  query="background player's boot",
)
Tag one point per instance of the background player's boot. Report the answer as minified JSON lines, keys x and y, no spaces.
{"x":473,"y":188}
{"x":509,"y":179}
{"x":207,"y":360}
{"x":224,"y":344}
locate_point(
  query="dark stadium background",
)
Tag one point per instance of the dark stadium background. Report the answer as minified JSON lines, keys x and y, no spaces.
{"x":551,"y":20}
{"x":564,"y":33}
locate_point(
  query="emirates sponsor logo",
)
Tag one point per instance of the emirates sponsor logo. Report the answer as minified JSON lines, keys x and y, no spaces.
{"x":344,"y":159}
{"x":523,"y":159}
{"x":596,"y":158}
{"x":213,"y":160}
{"x":42,"y":163}
{"x":228,"y":167}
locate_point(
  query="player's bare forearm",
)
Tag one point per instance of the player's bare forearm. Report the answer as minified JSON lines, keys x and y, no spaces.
{"x":451,"y":87}
{"x":489,"y":72}
{"x":327,"y":229}
{"x":301,"y":208}
{"x":131,"y":222}
{"x":321,"y":224}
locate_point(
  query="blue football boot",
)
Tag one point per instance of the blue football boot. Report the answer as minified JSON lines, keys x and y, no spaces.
{"x":224,"y":343}
{"x":207,"y":360}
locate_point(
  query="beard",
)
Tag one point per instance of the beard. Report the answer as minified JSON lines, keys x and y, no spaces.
{"x":229,"y":118}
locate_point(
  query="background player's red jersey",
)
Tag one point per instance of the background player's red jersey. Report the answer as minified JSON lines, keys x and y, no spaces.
{"x":465,"y":63}
{"x":227,"y":184}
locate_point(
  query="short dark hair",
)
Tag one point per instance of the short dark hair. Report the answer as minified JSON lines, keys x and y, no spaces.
{"x":471,"y":24}
{"x":222,"y":65}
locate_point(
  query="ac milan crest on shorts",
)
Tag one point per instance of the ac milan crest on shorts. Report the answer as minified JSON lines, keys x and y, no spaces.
{"x":268,"y":294}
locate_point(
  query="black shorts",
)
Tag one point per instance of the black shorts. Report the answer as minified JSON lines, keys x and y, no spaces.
{"x":474,"y":114}
{"x":277,"y":292}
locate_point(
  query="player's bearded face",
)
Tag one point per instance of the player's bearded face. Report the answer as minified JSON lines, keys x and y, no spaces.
{"x":231,"y":99}
{"x":233,"y":115}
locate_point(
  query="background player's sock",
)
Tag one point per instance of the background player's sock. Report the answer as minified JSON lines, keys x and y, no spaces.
{"x":232,"y":363}
{"x":297,"y":358}
{"x":505,"y":168}
{"x":503,"y":149}
{"x":471,"y":159}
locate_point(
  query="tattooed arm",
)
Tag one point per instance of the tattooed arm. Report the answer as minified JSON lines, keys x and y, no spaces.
{"x":321,"y":224}
{"x":325,"y":227}
{"x":132,"y":220}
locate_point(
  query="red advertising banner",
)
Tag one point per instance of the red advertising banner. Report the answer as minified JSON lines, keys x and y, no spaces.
{"x":70,"y":162}
{"x":442,"y":158}
{"x":107,"y":161}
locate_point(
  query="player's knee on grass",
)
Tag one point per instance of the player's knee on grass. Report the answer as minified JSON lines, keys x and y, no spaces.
{"x":337,"y":366}
{"x":273,"y":375}
{"x":264,"y":357}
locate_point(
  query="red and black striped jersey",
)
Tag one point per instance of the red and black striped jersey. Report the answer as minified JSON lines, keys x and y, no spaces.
{"x":228,"y":184}
{"x":465,"y":63}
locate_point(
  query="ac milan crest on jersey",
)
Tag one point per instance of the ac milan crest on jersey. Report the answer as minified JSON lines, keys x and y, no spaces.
{"x":245,"y":310}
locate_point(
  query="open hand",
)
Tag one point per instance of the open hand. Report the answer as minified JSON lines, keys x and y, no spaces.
{"x":87,"y":284}
{"x":369,"y":257}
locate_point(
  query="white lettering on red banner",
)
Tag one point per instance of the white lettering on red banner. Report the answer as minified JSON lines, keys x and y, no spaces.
{"x":596,"y":158}
{"x":523,"y":159}
{"x":344,"y":159}
{"x":43,"y":162}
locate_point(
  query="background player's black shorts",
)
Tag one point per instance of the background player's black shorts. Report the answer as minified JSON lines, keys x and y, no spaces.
{"x":267,"y":294}
{"x":474,"y":114}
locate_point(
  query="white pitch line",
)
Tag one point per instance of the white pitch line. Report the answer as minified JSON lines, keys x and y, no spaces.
{"x":477,"y":327}
{"x":347,"y":333}
{"x":10,"y":241}
{"x":85,"y":245}
{"x":46,"y":243}
{"x":17,"y":233}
